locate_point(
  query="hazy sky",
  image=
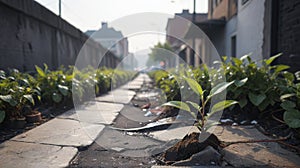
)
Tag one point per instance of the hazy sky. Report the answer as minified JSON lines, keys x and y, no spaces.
{"x":88,"y":14}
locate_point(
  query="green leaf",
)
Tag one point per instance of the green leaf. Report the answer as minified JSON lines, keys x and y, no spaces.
{"x":220,"y":88}
{"x":264,"y":105}
{"x":46,"y":67}
{"x":2,"y":116}
{"x":297,"y":74}
{"x":271,"y":59}
{"x":243,"y":102}
{"x":56,"y":97}
{"x":9,"y":99}
{"x":285,"y":96}
{"x":289,"y":76}
{"x":247,"y":57}
{"x":237,"y":61}
{"x":279,"y":68}
{"x":63,"y":89}
{"x":178,"y":104}
{"x":194,"y":86}
{"x":224,"y":58}
{"x":25,"y":82}
{"x":195,"y":105}
{"x":256,"y":99}
{"x":70,"y":77}
{"x":221,"y":106}
{"x":40,"y":71}
{"x":240,"y":83}
{"x":209,"y":125}
{"x":29,"y":98}
{"x":292,"y":118}
{"x":287,"y":105}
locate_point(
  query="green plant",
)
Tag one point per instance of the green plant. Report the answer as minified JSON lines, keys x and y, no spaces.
{"x":259,"y":96}
{"x":204,"y":100}
{"x":16,"y":92}
{"x":258,"y":86}
{"x":291,"y":105}
{"x":55,"y":85}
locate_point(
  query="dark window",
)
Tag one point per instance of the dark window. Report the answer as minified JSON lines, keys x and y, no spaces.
{"x":233,"y":46}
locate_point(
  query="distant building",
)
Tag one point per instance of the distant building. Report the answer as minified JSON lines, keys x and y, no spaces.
{"x":176,"y":30}
{"x":111,"y":39}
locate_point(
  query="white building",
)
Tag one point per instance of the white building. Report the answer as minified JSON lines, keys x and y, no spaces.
{"x":235,"y":28}
{"x":111,"y":39}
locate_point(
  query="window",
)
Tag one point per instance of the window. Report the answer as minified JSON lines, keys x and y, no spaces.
{"x":233,"y":46}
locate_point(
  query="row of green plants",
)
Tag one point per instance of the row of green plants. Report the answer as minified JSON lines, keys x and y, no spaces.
{"x":53,"y":88}
{"x":258,"y":87}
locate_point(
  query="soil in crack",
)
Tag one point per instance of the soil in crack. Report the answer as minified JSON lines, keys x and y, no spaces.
{"x":188,"y":146}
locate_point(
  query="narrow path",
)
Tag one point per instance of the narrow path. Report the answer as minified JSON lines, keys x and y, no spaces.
{"x":56,"y":143}
{"x":85,"y":137}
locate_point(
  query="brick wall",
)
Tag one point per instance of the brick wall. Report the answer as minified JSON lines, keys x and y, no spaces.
{"x":289,"y":33}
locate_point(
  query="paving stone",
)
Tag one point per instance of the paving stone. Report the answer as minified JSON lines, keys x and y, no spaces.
{"x":30,"y":155}
{"x":94,"y":112}
{"x":43,"y":146}
{"x":185,"y":167}
{"x":62,"y":132}
{"x":144,"y":95}
{"x":117,"y":96}
{"x":177,"y":132}
{"x":254,"y":154}
{"x":113,"y":139}
{"x":144,"y":77}
{"x":135,"y":114}
{"x":133,"y":85}
{"x":238,"y":133}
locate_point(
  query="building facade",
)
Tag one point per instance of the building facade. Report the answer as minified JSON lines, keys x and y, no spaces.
{"x":111,"y":39}
{"x":261,"y":28}
{"x":176,"y":30}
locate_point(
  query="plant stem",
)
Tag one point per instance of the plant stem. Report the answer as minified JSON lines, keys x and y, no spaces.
{"x":202,"y":113}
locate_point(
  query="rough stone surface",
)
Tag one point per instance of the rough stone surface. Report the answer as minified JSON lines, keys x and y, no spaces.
{"x":185,"y":167}
{"x":136,"y":145}
{"x":254,"y":154}
{"x":53,"y":143}
{"x":137,"y":83}
{"x":30,"y":155}
{"x":94,"y":112}
{"x":133,"y":85}
{"x":238,"y":133}
{"x":117,"y":96}
{"x":62,"y":132}
{"x":173,"y":133}
{"x":208,"y":156}
{"x":135,"y":114}
{"x":144,"y":95}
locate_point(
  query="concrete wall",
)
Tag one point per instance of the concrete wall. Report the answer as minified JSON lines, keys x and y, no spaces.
{"x":250,"y":27}
{"x":230,"y":31}
{"x":32,"y":35}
